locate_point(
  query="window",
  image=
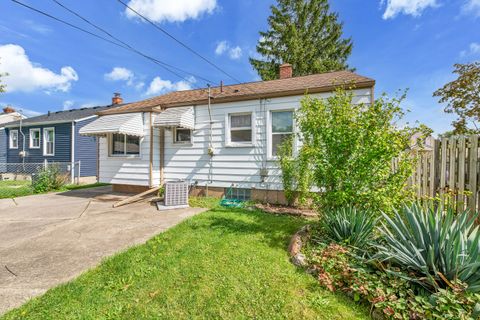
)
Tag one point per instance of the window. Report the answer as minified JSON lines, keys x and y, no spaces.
{"x":282,"y":128}
{"x":238,"y":193}
{"x":49,"y":141}
{"x":240,"y":129}
{"x":34,"y":138}
{"x":124,"y":145}
{"x":13,"y":139}
{"x":181,"y":135}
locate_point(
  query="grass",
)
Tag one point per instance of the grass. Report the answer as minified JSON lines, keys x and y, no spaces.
{"x":15,"y":189}
{"x":221,"y":264}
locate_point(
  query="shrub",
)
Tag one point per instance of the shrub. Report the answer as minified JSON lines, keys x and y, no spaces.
{"x":435,"y":247}
{"x":48,"y":179}
{"x":390,"y":295}
{"x":349,"y":226}
{"x":349,"y":149}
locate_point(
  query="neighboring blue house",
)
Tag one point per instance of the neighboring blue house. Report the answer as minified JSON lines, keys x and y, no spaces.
{"x":54,"y":137}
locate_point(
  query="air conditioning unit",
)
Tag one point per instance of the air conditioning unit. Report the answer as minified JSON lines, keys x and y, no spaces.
{"x":175,"y":196}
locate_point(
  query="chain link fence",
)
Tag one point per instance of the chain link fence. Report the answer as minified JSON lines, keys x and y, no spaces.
{"x":16,"y":178}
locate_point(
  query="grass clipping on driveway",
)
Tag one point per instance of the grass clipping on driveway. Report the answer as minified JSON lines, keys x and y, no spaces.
{"x":223,"y":263}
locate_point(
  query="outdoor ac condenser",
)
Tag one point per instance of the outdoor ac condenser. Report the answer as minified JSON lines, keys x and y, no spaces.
{"x":176,"y":194}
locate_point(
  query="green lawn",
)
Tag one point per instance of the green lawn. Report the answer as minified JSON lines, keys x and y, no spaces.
{"x":222,"y":264}
{"x":14,"y":189}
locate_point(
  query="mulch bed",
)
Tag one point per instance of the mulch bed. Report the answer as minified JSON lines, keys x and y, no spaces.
{"x":279,"y":209}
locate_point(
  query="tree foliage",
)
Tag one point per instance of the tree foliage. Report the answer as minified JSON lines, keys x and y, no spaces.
{"x":350,"y":148}
{"x":462,"y":96}
{"x":304,"y":33}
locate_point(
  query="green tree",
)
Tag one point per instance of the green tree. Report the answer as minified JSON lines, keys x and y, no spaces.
{"x":350,"y":149}
{"x":304,"y":33}
{"x":462,"y":96}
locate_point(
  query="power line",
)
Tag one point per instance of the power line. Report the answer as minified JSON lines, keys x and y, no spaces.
{"x":126,"y":44}
{"x":179,"y":42}
{"x":162,"y":64}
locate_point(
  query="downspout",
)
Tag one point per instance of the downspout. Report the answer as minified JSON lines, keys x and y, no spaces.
{"x":162,"y":154}
{"x":210,"y":139}
{"x":23,"y":143}
{"x":151,"y":153}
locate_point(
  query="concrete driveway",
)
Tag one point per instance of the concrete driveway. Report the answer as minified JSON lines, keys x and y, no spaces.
{"x":49,"y":239}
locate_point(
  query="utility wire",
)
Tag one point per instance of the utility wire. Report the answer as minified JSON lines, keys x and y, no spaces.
{"x":178,"y":41}
{"x":100,"y":37}
{"x":126,"y":44}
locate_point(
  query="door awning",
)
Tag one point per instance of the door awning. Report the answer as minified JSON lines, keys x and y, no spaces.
{"x":126,"y":123}
{"x":176,"y":117}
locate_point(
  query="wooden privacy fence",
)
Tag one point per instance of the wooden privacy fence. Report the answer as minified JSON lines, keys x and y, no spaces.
{"x":450,"y":167}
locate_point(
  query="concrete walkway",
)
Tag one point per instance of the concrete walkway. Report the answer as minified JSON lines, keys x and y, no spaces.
{"x":49,"y":239}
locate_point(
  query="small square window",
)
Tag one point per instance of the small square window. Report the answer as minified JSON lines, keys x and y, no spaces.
{"x":182,"y":135}
{"x":240,"y":129}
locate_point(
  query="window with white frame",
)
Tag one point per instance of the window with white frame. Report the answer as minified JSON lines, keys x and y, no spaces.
{"x":124,"y":145}
{"x":281,"y":129}
{"x":182,"y":135}
{"x":240,"y":129}
{"x":49,"y":141}
{"x":13,"y":137}
{"x":34,"y":139}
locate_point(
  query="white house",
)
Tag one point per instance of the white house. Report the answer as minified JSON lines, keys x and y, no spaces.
{"x":228,"y":140}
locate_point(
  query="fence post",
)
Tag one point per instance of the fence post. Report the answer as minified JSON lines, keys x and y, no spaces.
{"x":434,"y":162}
{"x":79,"y":172}
{"x":461,"y":174}
{"x":473,"y":158}
{"x":45,"y":164}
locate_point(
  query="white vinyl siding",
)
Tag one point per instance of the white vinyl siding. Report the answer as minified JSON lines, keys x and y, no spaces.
{"x":191,"y":162}
{"x":13,"y":139}
{"x":49,"y":141}
{"x":34,"y":139}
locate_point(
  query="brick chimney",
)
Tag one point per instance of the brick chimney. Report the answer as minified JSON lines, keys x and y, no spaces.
{"x":117,"y":99}
{"x":285,"y":71}
{"x":8,"y":109}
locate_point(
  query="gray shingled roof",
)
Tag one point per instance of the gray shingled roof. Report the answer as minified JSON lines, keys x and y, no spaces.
{"x":61,"y":116}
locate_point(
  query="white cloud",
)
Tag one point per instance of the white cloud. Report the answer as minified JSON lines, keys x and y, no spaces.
{"x":67,"y":104}
{"x":473,"y":50}
{"x":159,"y":86}
{"x":171,"y":11}
{"x":27,"y":76}
{"x":119,"y":74}
{"x":408,"y":7}
{"x":235,"y":53}
{"x":472,"y":7}
{"x":224,"y":47}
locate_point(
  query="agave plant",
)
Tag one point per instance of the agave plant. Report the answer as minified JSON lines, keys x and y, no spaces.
{"x":350,"y":226}
{"x":438,"y":247}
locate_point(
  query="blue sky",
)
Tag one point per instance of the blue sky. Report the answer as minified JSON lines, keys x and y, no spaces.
{"x":400,"y":43}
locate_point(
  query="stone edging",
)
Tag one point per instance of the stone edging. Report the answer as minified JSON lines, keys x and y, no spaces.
{"x":296,"y":244}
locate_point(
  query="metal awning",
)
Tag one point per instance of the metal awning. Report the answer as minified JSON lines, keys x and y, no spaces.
{"x":176,"y":117}
{"x":125,"y":123}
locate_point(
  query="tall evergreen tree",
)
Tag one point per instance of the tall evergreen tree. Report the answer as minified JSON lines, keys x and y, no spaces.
{"x":304,"y":33}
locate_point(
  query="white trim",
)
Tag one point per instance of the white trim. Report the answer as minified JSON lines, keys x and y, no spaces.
{"x":30,"y":140}
{"x":10,"y":139}
{"x":45,"y":130}
{"x":174,"y":131}
{"x":252,"y":128}
{"x":124,"y":155}
{"x":271,"y":157}
{"x":86,"y":118}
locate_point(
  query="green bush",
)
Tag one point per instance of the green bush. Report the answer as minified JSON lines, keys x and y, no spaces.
{"x":435,"y":247}
{"x":347,"y":152}
{"x":48,"y":179}
{"x":349,"y":226}
{"x":391,"y":296}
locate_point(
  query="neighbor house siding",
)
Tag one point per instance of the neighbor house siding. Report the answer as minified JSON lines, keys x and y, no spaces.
{"x":63,"y":133}
{"x":131,"y":170}
{"x":232,"y":165}
{"x":86,"y":150}
{"x":3,"y":150}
